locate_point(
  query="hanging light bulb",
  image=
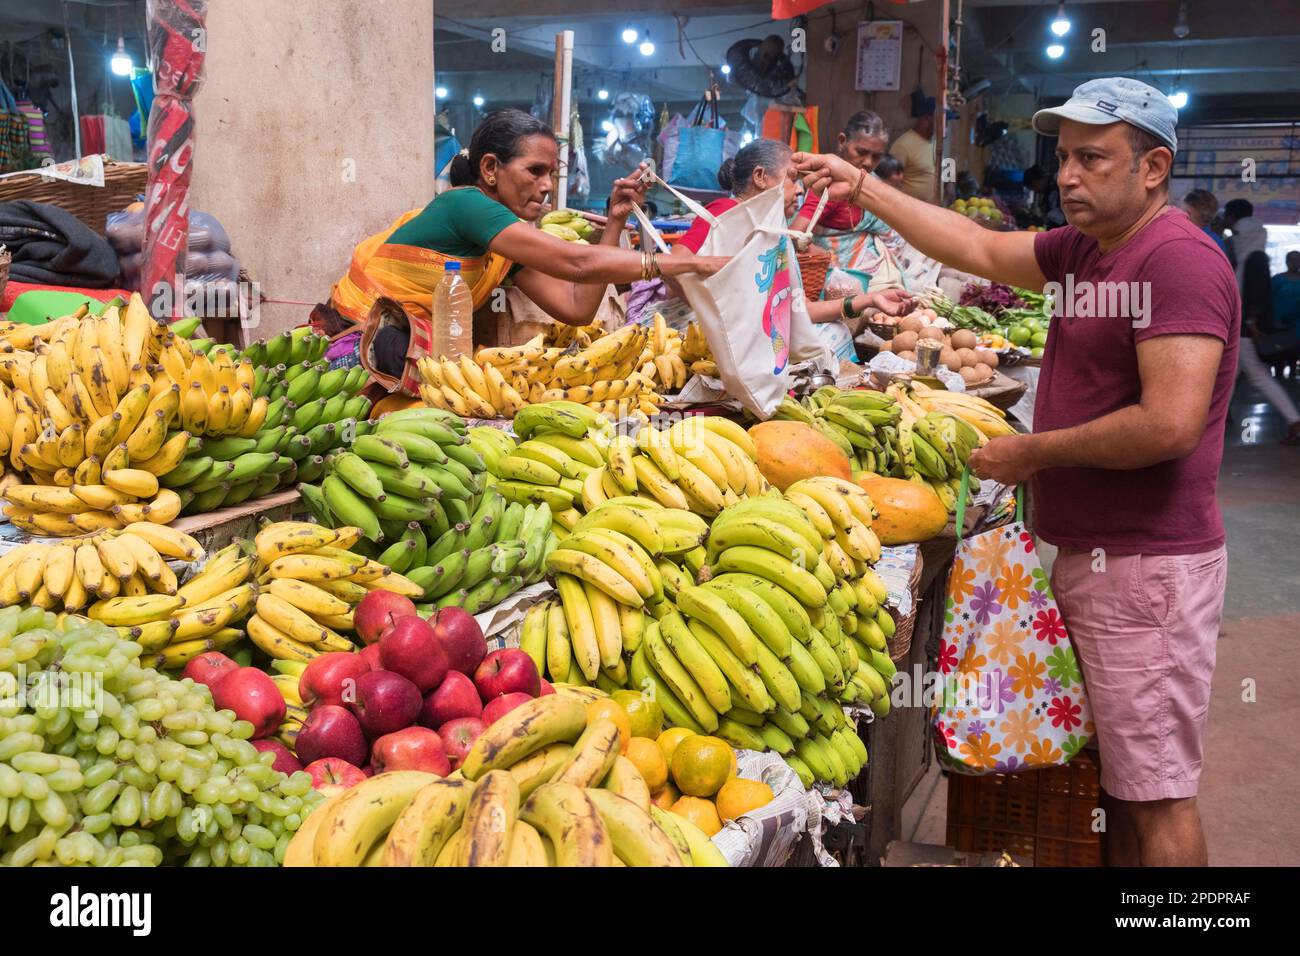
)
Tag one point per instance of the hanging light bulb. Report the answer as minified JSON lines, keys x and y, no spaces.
{"x":607,"y":126}
{"x":440,"y":92}
{"x":1061,"y":23}
{"x":647,"y":47}
{"x":1178,"y":99}
{"x":1056,"y":51}
{"x":726,"y":69}
{"x":629,"y":36}
{"x":478,"y":100}
{"x":121,"y":63}
{"x":602,"y":94}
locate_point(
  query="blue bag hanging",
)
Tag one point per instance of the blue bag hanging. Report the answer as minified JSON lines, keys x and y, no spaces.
{"x":701,"y":148}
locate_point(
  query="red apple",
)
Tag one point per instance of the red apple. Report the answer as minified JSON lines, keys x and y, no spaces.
{"x":455,"y":697}
{"x":412,"y":748}
{"x":461,"y":637}
{"x":458,"y":736}
{"x":285,"y":761}
{"x":507,"y":671}
{"x":370,"y":654}
{"x":253,"y":696}
{"x":498,"y":707}
{"x":331,"y":731}
{"x":377,"y":611}
{"x":332,"y":678}
{"x":209,"y":668}
{"x":410,"y":648}
{"x":546,"y":688}
{"x":385,"y":702}
{"x":331,"y":775}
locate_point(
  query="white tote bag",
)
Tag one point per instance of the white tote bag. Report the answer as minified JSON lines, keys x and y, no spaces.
{"x":753,"y":311}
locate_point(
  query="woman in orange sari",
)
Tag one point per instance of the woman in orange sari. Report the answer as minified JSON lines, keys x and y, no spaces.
{"x":500,"y":186}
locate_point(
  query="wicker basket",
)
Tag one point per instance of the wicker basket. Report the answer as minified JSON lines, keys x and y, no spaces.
{"x":1042,"y":815}
{"x":814,"y":264}
{"x":123,"y":184}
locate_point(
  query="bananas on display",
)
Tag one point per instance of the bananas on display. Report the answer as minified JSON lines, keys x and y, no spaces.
{"x":535,"y":790}
{"x":622,"y":373}
{"x":419,"y":490}
{"x":914,"y":432}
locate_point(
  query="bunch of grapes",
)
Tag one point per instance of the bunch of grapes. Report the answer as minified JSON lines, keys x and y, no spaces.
{"x":104,"y":762}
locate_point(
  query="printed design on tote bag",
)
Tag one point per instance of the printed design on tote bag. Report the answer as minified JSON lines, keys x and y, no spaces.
{"x":774,"y":280}
{"x":1013,"y":690}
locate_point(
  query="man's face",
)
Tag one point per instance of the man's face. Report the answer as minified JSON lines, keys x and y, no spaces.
{"x":1104,"y":187}
{"x":1293,"y":262}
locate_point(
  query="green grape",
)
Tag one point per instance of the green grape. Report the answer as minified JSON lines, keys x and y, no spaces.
{"x":125,"y":750}
{"x":126,"y":811}
{"x":242,"y":730}
{"x":190,"y":738}
{"x":150,"y":710}
{"x":170,"y":770}
{"x":200,"y":857}
{"x":220,"y":853}
{"x":96,"y":822}
{"x":34,"y":786}
{"x":225,"y":819}
{"x":138,"y":778}
{"x":240,"y":852}
{"x":20,"y":811}
{"x":65,"y":780}
{"x":10,"y":783}
{"x":298,"y":784}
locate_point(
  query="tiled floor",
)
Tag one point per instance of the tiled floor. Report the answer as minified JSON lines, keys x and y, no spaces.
{"x":1251,"y":770}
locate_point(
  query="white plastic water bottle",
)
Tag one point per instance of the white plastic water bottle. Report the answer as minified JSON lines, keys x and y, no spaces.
{"x":453,"y":314}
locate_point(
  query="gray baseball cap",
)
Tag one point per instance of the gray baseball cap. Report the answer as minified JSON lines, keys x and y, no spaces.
{"x":1116,"y":99}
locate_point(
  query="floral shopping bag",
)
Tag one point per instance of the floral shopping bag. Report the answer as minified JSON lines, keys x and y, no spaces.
{"x":1013,"y":695}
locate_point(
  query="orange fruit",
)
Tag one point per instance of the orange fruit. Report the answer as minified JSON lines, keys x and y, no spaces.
{"x":734,"y":772}
{"x":665,"y":797}
{"x":740,"y":796}
{"x":649,"y":759}
{"x":646,"y":715}
{"x":701,"y":765}
{"x":699,"y":811}
{"x":669,"y":740}
{"x":611,"y":711}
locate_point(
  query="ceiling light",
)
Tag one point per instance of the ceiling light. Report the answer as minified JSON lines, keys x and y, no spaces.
{"x":647,"y":48}
{"x":1178,"y":99}
{"x":726,"y":69}
{"x":602,"y":94}
{"x":440,"y":92}
{"x":1056,"y":51}
{"x":607,"y":126}
{"x":630,"y":35}
{"x":1061,"y":23}
{"x":478,"y":100}
{"x":121,"y":62}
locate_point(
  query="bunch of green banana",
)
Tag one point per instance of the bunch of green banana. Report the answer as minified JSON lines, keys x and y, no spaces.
{"x":863,"y":424}
{"x":568,"y":224}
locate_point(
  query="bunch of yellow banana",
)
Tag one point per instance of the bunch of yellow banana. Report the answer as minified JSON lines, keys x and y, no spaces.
{"x":309,"y":584}
{"x":98,"y":499}
{"x":842,"y":512}
{"x":127,"y":566}
{"x":702,"y":464}
{"x":989,"y":420}
{"x":695,"y":347}
{"x":467,"y":388}
{"x":286,"y":674}
{"x":540,"y":787}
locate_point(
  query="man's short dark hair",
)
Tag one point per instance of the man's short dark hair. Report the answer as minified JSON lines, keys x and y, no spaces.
{"x":1238,"y":209}
{"x":1142,"y":142}
{"x":1203,"y":200}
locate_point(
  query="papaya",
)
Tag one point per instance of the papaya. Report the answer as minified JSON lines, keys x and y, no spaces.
{"x":909,"y":512}
{"x":791,"y":451}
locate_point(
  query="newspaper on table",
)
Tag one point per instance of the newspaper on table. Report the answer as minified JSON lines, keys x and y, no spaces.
{"x":887,"y":364}
{"x":500,"y":623}
{"x":767,"y":836}
{"x":895,"y":569}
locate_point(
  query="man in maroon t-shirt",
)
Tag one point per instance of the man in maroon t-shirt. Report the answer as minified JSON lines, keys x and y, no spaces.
{"x":1131,"y":407}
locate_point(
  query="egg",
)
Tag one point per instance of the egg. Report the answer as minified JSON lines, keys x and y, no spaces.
{"x":949,"y":358}
{"x":904,"y":341}
{"x":969,"y":376}
{"x":910,"y":356}
{"x":967,"y":356}
{"x":934,"y":333}
{"x":964,"y":339}
{"x":983,"y":372}
{"x":988,"y":357}
{"x":911,"y":323}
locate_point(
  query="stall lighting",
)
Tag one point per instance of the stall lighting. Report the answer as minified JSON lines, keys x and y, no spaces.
{"x":726,"y":69}
{"x":1178,"y":99}
{"x":647,"y":48}
{"x":630,"y":36}
{"x":121,"y":62}
{"x":1056,"y":51}
{"x":478,"y":101}
{"x":602,"y":94}
{"x":747,"y":138}
{"x":440,"y":92}
{"x":1061,"y":24}
{"x":606,"y":126}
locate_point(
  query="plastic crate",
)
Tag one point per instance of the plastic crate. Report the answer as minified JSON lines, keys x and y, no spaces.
{"x":1044,"y":815}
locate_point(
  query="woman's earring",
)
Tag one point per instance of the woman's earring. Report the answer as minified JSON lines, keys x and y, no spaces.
{"x":492,"y":182}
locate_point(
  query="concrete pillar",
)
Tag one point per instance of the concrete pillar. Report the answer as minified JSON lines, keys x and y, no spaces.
{"x":314,"y":129}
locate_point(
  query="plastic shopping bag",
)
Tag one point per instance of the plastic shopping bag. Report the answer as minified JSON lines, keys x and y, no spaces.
{"x":1013,"y":694}
{"x":753,"y":311}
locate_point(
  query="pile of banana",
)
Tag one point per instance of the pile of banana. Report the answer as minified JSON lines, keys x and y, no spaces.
{"x":200,"y":615}
{"x":309,"y":582}
{"x":569,"y":225}
{"x":72,"y":575}
{"x":617,"y":374}
{"x":696,"y":353}
{"x":541,"y":787}
{"x":914,"y":432}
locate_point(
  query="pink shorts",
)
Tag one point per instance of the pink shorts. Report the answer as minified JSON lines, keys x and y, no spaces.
{"x":1145,"y":631}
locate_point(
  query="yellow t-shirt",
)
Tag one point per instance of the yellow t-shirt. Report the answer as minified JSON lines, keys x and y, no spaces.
{"x":917,"y":156}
